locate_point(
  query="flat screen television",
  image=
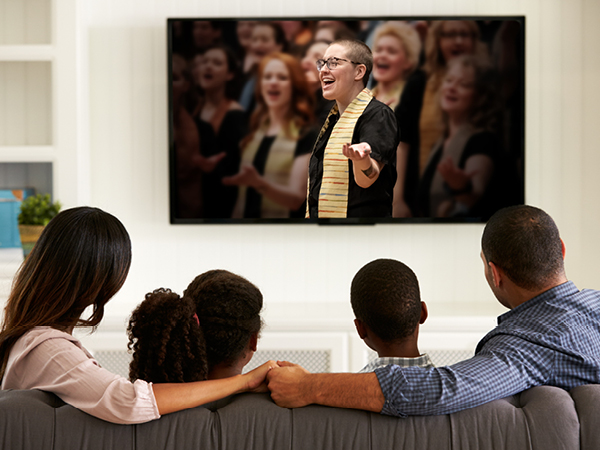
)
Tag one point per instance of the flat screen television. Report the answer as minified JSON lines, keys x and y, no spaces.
{"x":246,"y":106}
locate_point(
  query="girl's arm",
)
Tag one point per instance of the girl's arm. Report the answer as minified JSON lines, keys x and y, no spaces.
{"x":172,"y":397}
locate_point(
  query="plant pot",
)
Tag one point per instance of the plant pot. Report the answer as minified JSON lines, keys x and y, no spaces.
{"x":29,"y":236}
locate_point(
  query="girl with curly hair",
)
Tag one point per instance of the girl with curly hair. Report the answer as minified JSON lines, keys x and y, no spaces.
{"x":81,"y":261}
{"x":209,"y":332}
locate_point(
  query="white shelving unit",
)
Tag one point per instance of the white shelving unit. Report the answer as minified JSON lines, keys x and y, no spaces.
{"x":39,"y":98}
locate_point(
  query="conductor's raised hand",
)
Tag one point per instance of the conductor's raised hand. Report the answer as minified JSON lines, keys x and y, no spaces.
{"x":356,"y":152}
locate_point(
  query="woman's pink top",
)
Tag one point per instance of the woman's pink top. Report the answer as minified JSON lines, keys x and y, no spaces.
{"x":54,"y":361}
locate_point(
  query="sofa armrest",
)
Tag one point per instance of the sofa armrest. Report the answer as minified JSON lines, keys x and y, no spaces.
{"x":587,"y":403}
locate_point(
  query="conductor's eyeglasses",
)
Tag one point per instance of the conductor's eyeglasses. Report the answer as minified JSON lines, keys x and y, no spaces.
{"x":332,"y":63}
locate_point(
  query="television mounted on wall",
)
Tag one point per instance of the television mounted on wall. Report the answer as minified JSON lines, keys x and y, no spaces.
{"x":245,"y":108}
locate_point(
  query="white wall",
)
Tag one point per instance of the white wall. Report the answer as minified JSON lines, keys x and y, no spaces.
{"x":125,"y":57}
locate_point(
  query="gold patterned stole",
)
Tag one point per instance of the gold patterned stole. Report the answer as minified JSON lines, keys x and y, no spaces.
{"x":277,"y":170}
{"x":333,"y":197}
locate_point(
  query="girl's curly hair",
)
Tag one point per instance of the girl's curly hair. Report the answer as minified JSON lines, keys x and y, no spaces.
{"x":228,"y":308}
{"x":165,"y":338}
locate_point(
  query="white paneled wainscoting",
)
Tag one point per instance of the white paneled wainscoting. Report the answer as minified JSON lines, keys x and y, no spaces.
{"x":327,"y":345}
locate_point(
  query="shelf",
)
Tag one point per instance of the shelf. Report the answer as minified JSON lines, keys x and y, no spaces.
{"x":26,"y":103}
{"x":26,"y":52}
{"x":26,"y":21}
{"x":36,"y":175}
{"x":27,"y":153}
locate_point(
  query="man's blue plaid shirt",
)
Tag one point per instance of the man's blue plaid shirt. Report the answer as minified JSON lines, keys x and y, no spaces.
{"x":552,"y":339}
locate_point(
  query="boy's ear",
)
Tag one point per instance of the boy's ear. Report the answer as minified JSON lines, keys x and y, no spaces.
{"x":497,"y":274}
{"x":424,"y":313}
{"x":361,"y":328}
{"x":253,"y":342}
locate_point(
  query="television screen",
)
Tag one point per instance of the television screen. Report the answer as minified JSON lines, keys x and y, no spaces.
{"x":260,"y":112}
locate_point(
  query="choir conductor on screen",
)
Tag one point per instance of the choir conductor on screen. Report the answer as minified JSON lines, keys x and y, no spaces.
{"x":352,"y":168}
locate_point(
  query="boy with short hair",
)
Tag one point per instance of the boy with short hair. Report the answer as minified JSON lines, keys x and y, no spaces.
{"x":387,"y":305}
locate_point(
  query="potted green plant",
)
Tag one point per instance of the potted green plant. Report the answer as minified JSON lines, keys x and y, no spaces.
{"x":36,"y":211}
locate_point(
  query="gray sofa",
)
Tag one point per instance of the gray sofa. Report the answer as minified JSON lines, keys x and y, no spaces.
{"x":542,"y":418}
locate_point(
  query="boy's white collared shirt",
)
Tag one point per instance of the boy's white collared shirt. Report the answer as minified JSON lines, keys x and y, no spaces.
{"x":420,"y":361}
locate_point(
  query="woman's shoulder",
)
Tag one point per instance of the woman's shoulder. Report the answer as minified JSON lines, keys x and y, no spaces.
{"x":41,"y":334}
{"x":46,"y":332}
{"x":48,"y":341}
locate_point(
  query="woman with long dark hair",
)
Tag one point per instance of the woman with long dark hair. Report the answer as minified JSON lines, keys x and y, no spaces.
{"x":81,"y":260}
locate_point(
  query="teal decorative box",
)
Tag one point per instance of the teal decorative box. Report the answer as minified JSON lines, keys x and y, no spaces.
{"x":10,"y":207}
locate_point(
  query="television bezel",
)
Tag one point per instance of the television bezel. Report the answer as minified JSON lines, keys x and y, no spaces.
{"x":521,"y":19}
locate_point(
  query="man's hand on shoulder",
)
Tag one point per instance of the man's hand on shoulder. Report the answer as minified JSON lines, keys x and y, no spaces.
{"x":289,"y":385}
{"x":292,"y":386}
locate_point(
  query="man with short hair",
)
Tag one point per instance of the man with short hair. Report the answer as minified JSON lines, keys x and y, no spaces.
{"x":352,"y":169}
{"x":550,"y":336}
{"x":386,"y":301}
